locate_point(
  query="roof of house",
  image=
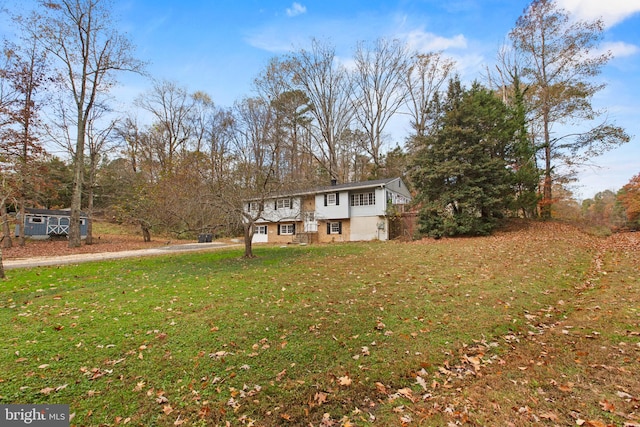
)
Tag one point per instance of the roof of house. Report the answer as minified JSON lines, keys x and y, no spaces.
{"x":341,"y":187}
{"x":355,"y":185}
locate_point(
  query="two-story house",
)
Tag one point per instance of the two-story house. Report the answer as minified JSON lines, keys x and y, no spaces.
{"x":335,"y":213}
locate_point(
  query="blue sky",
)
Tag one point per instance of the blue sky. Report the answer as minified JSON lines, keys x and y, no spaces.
{"x":220,"y":46}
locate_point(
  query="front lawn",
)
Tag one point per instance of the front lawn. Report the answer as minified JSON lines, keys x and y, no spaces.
{"x":362,"y":333}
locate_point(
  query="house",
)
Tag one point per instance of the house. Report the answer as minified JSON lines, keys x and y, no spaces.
{"x":47,"y":223}
{"x":336,"y":213}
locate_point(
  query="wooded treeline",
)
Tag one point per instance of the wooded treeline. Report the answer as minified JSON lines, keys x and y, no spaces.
{"x":500,"y":147}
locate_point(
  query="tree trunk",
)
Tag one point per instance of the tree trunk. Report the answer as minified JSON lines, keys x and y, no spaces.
{"x":89,"y":239}
{"x":547,"y":196}
{"x":20,"y":220}
{"x":76,"y":197}
{"x":248,"y":237}
{"x":146,"y":231}
{"x":6,"y":229}
{"x":2,"y":275}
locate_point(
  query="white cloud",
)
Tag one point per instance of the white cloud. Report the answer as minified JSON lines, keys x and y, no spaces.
{"x":621,"y":49}
{"x":422,"y":41}
{"x":296,"y":9}
{"x":611,"y":11}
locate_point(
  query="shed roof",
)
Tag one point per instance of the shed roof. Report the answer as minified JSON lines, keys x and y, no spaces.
{"x":51,"y":212}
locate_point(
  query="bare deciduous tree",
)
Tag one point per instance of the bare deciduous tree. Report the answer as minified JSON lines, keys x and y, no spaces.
{"x":328,"y":87}
{"x":424,"y":78}
{"x":26,"y":72}
{"x":171,"y":107}
{"x":561,"y":59}
{"x":81,"y":36}
{"x":254,"y":176}
{"x":379,"y":74}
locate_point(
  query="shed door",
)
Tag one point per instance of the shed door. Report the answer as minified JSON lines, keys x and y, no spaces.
{"x":58,"y":225}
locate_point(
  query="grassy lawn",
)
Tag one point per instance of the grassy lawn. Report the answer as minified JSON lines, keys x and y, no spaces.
{"x":351,"y":334}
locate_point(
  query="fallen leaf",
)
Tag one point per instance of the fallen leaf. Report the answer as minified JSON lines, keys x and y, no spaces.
{"x":204,"y":412}
{"x":47,"y":390}
{"x":320,"y":397}
{"x":406,"y":419}
{"x":406,"y":392}
{"x":421,"y":382}
{"x":549,"y":416}
{"x":623,"y":395}
{"x":476,"y":361}
{"x":381,"y":388}
{"x":167,"y":409}
{"x":607,"y":406}
{"x":345,"y":381}
{"x":568,"y":387}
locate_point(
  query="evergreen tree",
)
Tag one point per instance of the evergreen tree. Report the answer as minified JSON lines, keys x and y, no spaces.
{"x":460,"y":170}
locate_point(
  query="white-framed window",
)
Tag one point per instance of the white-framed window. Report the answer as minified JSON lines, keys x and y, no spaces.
{"x":363,"y":199}
{"x":254,"y":206}
{"x":36,"y":220}
{"x":287,"y":229}
{"x":283,"y":204}
{"x":334,"y":227}
{"x":332,"y":199}
{"x":260,"y":229}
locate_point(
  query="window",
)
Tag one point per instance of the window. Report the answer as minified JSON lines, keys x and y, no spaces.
{"x":260,"y":229}
{"x":332,"y":199}
{"x":287,"y":229}
{"x":36,"y":220}
{"x":254,"y":206}
{"x":334,"y":228}
{"x":283,"y":204}
{"x":363,"y":199}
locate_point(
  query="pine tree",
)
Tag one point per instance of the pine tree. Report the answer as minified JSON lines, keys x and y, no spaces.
{"x":460,"y":170}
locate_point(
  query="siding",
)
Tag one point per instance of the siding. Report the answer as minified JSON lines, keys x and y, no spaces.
{"x":339,"y":211}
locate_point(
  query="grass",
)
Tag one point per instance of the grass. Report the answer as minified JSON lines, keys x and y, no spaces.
{"x":326,"y":335}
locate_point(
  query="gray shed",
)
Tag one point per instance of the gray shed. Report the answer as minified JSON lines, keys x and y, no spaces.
{"x":47,"y":223}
